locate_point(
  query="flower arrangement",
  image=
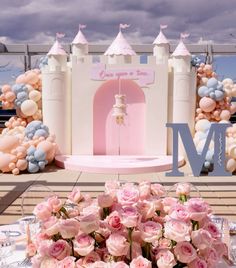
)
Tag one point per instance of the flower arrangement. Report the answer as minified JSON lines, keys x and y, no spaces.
{"x":127,"y":226}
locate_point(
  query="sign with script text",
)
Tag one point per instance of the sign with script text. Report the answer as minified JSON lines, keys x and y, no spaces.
{"x":142,"y":75}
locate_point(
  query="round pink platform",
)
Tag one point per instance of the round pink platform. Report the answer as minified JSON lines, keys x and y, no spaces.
{"x":122,"y":164}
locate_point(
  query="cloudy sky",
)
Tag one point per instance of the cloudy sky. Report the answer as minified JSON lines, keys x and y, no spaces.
{"x":37,"y":21}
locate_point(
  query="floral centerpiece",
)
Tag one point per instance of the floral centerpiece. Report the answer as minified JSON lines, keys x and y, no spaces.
{"x":127,"y":226}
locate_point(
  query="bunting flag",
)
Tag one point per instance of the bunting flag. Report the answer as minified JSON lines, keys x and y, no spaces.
{"x":124,"y":26}
{"x":163,"y":26}
{"x":82,"y":26}
{"x":60,"y":35}
{"x":184,"y":35}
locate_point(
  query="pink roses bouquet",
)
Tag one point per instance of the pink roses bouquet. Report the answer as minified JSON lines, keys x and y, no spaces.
{"x":127,"y":226}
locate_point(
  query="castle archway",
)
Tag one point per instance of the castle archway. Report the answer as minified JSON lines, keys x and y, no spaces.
{"x":109,"y":138}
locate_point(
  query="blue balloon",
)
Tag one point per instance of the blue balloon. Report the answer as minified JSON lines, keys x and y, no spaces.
{"x":41,"y":133}
{"x":220,"y":87}
{"x":209,"y":156}
{"x":212,"y":95}
{"x":33,"y":167}
{"x":211,"y":89}
{"x":31,"y":150}
{"x":41,"y":165}
{"x":203,"y":91}
{"x":212,"y":82}
{"x":207,"y":164}
{"x":39,"y":155}
{"x":219,"y":95}
{"x":22,"y":96}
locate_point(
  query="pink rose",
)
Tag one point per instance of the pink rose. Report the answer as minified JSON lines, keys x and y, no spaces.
{"x":147,"y":209}
{"x":164,"y":243}
{"x":128,"y":195}
{"x":185,"y":252}
{"x":68,"y":262}
{"x":43,"y":247}
{"x":36,"y":261}
{"x":150,"y":231}
{"x":130,"y":217}
{"x":177,"y":230}
{"x":49,"y":262}
{"x":140,"y":262}
{"x":144,"y":190}
{"x":201,"y":239}
{"x":157,"y":202}
{"x":75,"y":196}
{"x":84,"y":244}
{"x":183,"y":189}
{"x":113,"y":221}
{"x":31,"y":249}
{"x":89,"y":223}
{"x":68,"y":228}
{"x":213,"y":230}
{"x":220,"y":248}
{"x":39,"y":238}
{"x":117,"y":245}
{"x":99,"y":264}
{"x":157,"y":190}
{"x":105,"y":200}
{"x":168,"y":202}
{"x":119,"y":264}
{"x":54,"y":203}
{"x":136,"y":250}
{"x":211,"y":257}
{"x":92,"y":257}
{"x":179,"y":212}
{"x":52,"y":229}
{"x":165,"y":259}
{"x":198,"y":209}
{"x":111,"y":187}
{"x":59,"y":250}
{"x":197,"y":263}
{"x":42,"y":211}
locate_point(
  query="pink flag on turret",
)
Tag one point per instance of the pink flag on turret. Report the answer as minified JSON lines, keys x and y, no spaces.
{"x":124,"y":26}
{"x":163,"y":26}
{"x":82,"y":26}
{"x":184,"y":35}
{"x":60,"y":35}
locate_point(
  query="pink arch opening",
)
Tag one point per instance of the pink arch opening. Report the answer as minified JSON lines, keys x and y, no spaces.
{"x":109,"y":138}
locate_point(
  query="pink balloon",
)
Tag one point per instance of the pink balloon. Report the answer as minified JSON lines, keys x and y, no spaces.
{"x":7,"y":143}
{"x":15,"y":171}
{"x":31,"y":77}
{"x":5,"y":160}
{"x":207,"y":104}
{"x":225,"y":115}
{"x":10,"y":96}
{"x":21,"y":79}
{"x":6,"y":88}
{"x":48,"y":148}
{"x":21,"y":164}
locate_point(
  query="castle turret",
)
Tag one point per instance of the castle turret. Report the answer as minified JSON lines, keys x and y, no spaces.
{"x":161,"y":47}
{"x":80,"y":45}
{"x":56,"y":97}
{"x":120,"y":50}
{"x":183,"y":88}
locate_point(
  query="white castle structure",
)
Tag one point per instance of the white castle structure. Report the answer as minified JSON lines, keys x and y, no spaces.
{"x":79,"y":95}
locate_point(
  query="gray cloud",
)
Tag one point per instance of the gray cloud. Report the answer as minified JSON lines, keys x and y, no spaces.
{"x":37,"y":21}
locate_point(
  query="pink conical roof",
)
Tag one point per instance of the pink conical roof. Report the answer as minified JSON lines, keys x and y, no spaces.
{"x":181,"y":50}
{"x":120,"y":46}
{"x":57,"y":49}
{"x":160,"y":39}
{"x":80,"y":39}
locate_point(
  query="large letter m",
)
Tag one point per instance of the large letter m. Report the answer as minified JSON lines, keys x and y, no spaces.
{"x":196,"y":161}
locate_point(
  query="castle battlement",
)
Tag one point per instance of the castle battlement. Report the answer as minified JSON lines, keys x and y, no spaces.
{"x":82,"y":89}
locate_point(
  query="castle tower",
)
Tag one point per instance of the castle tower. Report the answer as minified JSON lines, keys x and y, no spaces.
{"x":56,"y":97}
{"x":80,"y":45}
{"x":183,"y":88}
{"x":120,"y":50}
{"x":161,"y":48}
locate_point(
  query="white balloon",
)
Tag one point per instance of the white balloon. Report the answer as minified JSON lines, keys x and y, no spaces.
{"x":29,"y":107}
